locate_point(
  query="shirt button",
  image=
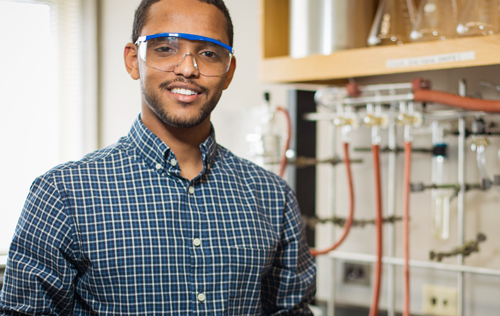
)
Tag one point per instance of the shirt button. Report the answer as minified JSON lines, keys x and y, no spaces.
{"x":197,"y":242}
{"x":201,"y":297}
{"x":159,"y":166}
{"x":191,"y":190}
{"x":173,"y":162}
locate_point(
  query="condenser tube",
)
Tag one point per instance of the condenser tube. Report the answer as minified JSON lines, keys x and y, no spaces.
{"x":481,"y":162}
{"x":440,"y":209}
{"x":440,"y":201}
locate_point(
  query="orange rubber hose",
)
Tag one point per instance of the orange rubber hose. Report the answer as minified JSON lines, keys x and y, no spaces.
{"x":378,"y":225}
{"x":406,"y":229}
{"x":466,"y":103}
{"x":284,"y":159}
{"x":347,"y":227}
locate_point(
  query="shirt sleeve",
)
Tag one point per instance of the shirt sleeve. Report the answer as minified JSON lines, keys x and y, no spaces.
{"x":40,"y":271}
{"x":290,"y":285}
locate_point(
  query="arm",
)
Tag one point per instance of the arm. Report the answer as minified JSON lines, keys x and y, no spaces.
{"x":39,"y":274}
{"x":290,"y":285}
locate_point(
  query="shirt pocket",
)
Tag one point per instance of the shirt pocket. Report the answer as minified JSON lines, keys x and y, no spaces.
{"x":246,"y":268}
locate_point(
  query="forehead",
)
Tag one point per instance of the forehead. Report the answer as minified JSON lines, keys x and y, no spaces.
{"x":186,"y":16}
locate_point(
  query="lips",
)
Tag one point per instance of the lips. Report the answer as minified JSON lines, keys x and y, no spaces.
{"x":185,"y":91}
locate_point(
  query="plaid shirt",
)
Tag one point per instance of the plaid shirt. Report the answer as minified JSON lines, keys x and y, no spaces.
{"x":120,"y":232}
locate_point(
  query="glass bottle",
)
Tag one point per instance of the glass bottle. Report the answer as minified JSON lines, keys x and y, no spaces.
{"x":393,"y":22}
{"x":479,"y":17}
{"x":436,"y":20}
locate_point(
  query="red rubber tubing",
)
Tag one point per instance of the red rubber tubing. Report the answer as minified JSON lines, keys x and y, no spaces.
{"x":284,"y":159}
{"x":347,"y":227}
{"x":406,"y":229}
{"x":466,"y":103}
{"x":378,"y":225}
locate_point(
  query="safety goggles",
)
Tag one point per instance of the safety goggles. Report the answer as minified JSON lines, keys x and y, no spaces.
{"x":167,"y":51}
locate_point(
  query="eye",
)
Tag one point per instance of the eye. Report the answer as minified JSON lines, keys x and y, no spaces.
{"x":164,"y":49}
{"x":210,"y":54}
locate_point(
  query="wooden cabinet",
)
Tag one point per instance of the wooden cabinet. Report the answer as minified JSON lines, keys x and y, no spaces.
{"x":277,"y":67}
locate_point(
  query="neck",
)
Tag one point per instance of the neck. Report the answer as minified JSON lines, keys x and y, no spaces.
{"x":184,"y":142}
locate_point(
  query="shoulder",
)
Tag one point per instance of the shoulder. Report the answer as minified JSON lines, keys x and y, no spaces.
{"x":91,"y":162}
{"x":250,"y":172}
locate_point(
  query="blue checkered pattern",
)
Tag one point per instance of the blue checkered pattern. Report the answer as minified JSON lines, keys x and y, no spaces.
{"x":120,"y":232}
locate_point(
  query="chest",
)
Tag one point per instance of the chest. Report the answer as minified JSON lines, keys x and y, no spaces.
{"x":147,"y":214}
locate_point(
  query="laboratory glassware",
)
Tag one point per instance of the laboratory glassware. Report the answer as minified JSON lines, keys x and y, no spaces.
{"x":479,"y":17}
{"x":440,"y":197}
{"x":265,"y":141}
{"x":436,"y":20}
{"x":393,"y":22}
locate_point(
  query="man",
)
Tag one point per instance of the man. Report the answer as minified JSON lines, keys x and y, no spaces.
{"x":164,"y":222}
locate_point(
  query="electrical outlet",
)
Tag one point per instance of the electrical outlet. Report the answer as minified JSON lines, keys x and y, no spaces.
{"x":439,"y":300}
{"x":356,"y":273}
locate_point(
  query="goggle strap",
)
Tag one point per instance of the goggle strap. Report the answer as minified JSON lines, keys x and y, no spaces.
{"x":187,"y":36}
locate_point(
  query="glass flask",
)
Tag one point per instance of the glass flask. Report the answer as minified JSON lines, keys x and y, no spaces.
{"x":436,"y":20}
{"x":265,"y":141}
{"x":479,"y":17}
{"x":393,"y":22}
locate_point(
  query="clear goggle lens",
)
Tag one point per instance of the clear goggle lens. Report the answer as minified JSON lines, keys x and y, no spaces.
{"x":167,"y":53}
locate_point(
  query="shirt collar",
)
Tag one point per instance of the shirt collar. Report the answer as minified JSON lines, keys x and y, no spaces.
{"x":158,"y":155}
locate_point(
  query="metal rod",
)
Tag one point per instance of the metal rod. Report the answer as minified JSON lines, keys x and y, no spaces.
{"x":331,"y":300}
{"x":461,"y":201}
{"x":391,"y":211}
{"x":377,"y":99}
{"x":390,"y":86}
{"x":415,"y":263}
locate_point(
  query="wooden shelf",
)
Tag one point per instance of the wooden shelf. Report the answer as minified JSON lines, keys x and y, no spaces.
{"x":372,"y":61}
{"x":277,"y":67}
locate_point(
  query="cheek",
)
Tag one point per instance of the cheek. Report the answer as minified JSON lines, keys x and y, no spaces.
{"x":149,"y":79}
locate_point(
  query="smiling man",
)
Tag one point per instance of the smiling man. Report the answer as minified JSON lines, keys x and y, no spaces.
{"x":166,"y":221}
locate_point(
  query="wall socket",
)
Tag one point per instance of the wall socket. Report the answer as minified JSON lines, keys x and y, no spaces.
{"x":439,"y":300}
{"x":356,"y":273}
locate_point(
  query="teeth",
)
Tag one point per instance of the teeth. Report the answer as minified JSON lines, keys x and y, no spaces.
{"x":183,"y":91}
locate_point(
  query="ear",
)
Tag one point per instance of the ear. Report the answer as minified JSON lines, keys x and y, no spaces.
{"x":230,"y":73}
{"x":131,"y":61}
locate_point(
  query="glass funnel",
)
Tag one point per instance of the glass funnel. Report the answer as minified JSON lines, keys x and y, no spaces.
{"x":393,"y":22}
{"x":436,"y":20}
{"x":479,"y":17}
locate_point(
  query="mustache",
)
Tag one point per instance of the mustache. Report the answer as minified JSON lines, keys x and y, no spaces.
{"x":164,"y":85}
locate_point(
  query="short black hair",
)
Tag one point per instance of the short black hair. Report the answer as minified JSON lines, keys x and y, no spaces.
{"x":141,"y":15}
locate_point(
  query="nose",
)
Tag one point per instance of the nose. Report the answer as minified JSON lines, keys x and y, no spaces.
{"x":187,"y":68}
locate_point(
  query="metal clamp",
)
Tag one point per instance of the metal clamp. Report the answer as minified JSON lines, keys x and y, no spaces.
{"x":466,"y":250}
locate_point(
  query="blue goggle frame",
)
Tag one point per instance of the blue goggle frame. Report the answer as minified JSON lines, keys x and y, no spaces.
{"x":191,"y":37}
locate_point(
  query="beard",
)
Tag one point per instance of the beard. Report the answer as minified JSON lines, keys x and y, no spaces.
{"x":155,"y":103}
